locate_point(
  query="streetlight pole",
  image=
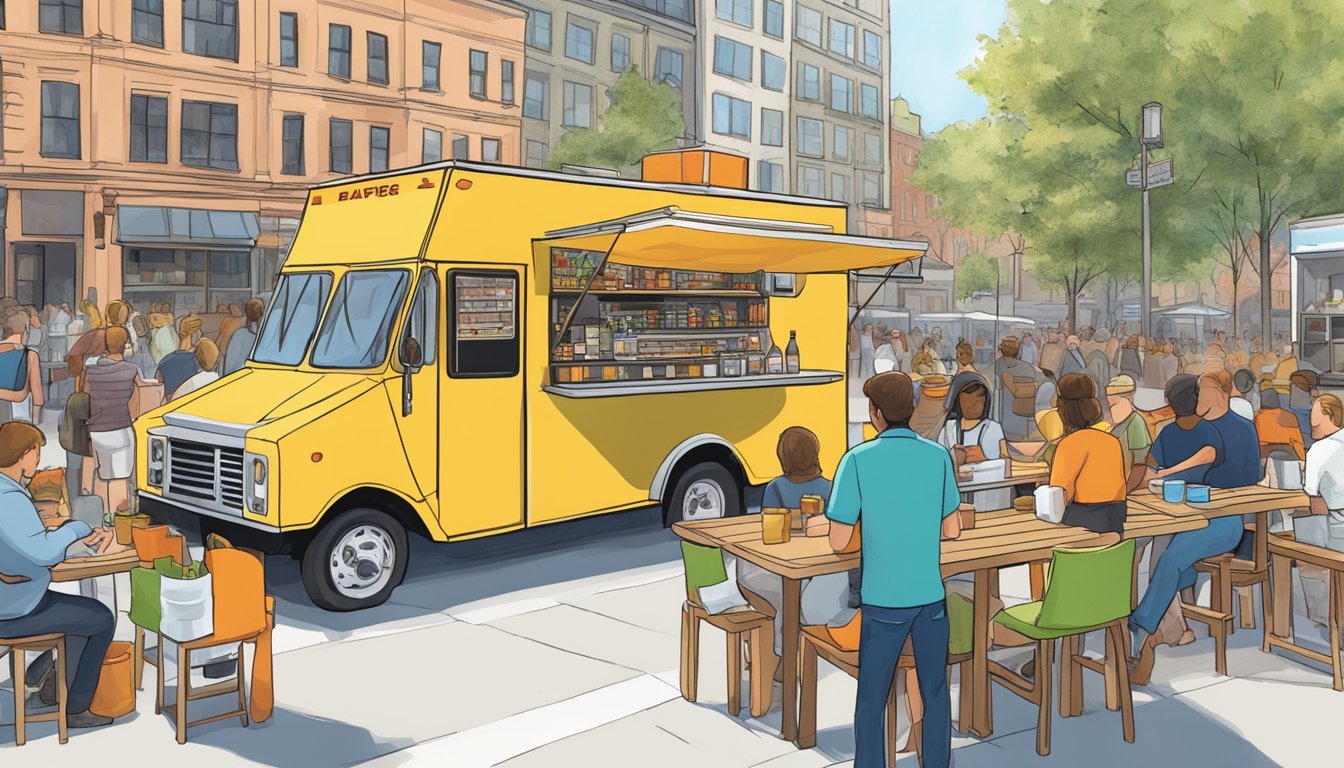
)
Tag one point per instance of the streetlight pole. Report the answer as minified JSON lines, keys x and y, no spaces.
{"x":1151,"y":119}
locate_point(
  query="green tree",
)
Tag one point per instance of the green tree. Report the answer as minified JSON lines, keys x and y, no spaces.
{"x":644,"y":117}
{"x":977,"y":272}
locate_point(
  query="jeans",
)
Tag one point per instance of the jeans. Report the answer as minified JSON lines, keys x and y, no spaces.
{"x":881,"y":638}
{"x":1175,"y":570}
{"x":87,"y":625}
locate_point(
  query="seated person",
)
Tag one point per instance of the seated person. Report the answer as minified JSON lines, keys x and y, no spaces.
{"x":971,"y":436}
{"x":1089,"y":464}
{"x":1130,"y":428}
{"x":1323,"y":482}
{"x":27,"y":552}
{"x":1275,"y":424}
{"x":825,"y":599}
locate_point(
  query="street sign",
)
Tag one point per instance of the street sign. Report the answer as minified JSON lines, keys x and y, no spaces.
{"x":1134,"y":178}
{"x":1160,"y":174}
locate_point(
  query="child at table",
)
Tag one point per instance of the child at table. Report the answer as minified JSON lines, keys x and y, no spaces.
{"x":826,"y":599}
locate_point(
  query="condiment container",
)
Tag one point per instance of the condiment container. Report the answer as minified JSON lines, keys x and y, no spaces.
{"x":967,"y":514}
{"x":1197,"y":494}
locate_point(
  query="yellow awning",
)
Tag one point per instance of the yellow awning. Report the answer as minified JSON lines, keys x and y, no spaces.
{"x":673,"y":239}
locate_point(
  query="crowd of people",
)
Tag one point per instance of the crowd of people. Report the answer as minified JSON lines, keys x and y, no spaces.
{"x":97,"y":369}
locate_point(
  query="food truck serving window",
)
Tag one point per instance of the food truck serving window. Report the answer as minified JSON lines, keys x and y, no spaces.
{"x":358,"y":325}
{"x":484,"y":333}
{"x":292,"y":320}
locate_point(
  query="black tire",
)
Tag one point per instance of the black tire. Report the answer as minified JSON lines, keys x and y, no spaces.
{"x":675,"y":503}
{"x":316,"y":567}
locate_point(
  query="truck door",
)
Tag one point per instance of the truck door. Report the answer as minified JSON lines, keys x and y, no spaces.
{"x":417,"y":393}
{"x":481,"y":456}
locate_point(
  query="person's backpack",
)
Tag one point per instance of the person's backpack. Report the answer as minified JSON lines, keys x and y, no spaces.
{"x":1022,"y":389}
{"x":73,"y":431}
{"x":14,"y":369}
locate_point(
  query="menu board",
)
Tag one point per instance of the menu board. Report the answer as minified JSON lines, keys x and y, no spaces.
{"x":486,"y":307}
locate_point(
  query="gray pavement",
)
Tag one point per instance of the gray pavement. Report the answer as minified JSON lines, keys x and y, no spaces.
{"x":559,"y":647}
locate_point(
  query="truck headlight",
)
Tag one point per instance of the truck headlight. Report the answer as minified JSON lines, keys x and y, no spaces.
{"x":256,"y":483}
{"x":158,"y":449}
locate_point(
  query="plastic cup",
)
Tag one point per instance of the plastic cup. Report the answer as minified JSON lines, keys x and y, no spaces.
{"x":1173,"y":491}
{"x":775,"y":526}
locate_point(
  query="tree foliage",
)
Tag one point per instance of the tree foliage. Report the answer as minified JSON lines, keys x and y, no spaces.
{"x":644,"y":117}
{"x":977,"y":272}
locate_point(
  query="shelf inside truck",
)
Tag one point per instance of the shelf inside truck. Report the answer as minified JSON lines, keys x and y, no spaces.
{"x":665,"y":386}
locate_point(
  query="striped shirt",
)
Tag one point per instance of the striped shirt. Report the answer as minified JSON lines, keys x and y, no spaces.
{"x":110,"y":384}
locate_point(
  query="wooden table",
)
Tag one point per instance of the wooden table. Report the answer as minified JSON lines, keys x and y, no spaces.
{"x":1019,"y":473}
{"x":78,"y":568}
{"x":1225,"y":502}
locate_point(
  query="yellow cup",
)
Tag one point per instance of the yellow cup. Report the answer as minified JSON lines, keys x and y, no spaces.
{"x":775,"y":525}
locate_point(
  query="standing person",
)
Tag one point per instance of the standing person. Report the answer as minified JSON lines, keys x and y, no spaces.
{"x":965,"y":358}
{"x":1072,"y":361}
{"x":851,"y":349}
{"x":241,"y":341}
{"x":1031,"y":349}
{"x":867,"y":353}
{"x":902,"y":349}
{"x":887,"y":358}
{"x":207,"y":359}
{"x":972,"y":436}
{"x":110,"y":383}
{"x":27,"y":552}
{"x":20,"y":372}
{"x":1018,"y":387}
{"x":1088,"y":463}
{"x":1130,"y":363}
{"x":181,"y":365}
{"x":1130,"y":428}
{"x":902,"y":489}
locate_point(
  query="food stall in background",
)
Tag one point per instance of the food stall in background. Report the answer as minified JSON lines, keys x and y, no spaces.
{"x":1317,"y":270}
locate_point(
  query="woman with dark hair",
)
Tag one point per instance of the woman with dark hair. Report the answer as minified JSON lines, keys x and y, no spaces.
{"x":971,"y":436}
{"x":1187,"y":448}
{"x":1089,"y":464}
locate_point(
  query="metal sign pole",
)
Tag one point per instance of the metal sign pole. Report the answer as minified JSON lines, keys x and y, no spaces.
{"x":1145,"y":302}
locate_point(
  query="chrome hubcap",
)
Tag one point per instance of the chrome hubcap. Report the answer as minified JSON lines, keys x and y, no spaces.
{"x":705,"y":500}
{"x":361,"y":562}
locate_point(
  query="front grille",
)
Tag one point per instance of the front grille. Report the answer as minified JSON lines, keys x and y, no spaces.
{"x":206,"y":473}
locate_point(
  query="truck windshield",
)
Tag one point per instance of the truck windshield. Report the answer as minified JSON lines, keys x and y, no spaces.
{"x":358,"y":325}
{"x":289,"y":326}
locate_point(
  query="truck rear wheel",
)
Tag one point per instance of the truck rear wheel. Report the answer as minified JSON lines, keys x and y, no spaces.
{"x":705,"y":491}
{"x":355,"y":560}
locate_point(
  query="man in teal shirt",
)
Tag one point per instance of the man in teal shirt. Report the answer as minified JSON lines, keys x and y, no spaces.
{"x":903,"y":489}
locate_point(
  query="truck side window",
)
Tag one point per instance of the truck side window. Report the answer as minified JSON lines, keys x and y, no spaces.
{"x":424,"y":321}
{"x":483,"y":330}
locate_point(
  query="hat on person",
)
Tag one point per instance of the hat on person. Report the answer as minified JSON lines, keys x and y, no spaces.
{"x":1121,"y":385}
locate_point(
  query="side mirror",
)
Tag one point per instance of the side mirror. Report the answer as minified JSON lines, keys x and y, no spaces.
{"x":412,"y":357}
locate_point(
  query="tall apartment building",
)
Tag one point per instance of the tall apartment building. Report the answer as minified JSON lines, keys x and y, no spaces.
{"x":745,"y":50}
{"x":840,"y":71}
{"x":576,"y":50}
{"x":159,"y":149}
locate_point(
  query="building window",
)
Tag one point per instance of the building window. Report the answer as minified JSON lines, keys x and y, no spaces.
{"x":291,"y":146}
{"x":431,"y":146}
{"x":732,"y":116}
{"x":811,"y":182}
{"x":147,"y":22}
{"x":809,"y":82}
{"x":620,"y":52}
{"x":338,"y":50}
{"x":807,"y":25}
{"x":506,"y":95}
{"x":868,"y":101}
{"x":536,"y":96}
{"x":872,"y":49}
{"x":842,"y":94}
{"x":429,"y":65}
{"x":839,"y":188}
{"x":872,"y":189}
{"x":461,"y":147}
{"x":536,"y":154}
{"x":872,"y":149}
{"x":477,"y":63}
{"x":840,"y":137}
{"x":210,"y":28}
{"x":841,"y":39}
{"x":578,"y":106}
{"x":769,"y":176}
{"x":772,"y":128}
{"x":668,"y":68}
{"x":379,"y":140}
{"x":60,"y":120}
{"x":736,"y":11}
{"x":490,"y":150}
{"x":579,"y":41}
{"x":538,"y":30}
{"x":149,"y":129}
{"x":61,"y":17}
{"x":210,"y":135}
{"x":774,"y":19}
{"x":774,"y":71}
{"x":342,"y":145}
{"x":377,"y":58}
{"x":289,"y":40}
{"x":809,"y":137}
{"x":732,"y":59}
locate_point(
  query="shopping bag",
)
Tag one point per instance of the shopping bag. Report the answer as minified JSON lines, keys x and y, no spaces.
{"x":239,"y":592}
{"x":187,"y":600}
{"x":115,"y":694}
{"x":262,"y":701}
{"x":155,"y":542}
{"x":146,"y":594}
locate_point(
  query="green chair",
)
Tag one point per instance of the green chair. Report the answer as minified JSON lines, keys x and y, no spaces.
{"x":1088,"y":590}
{"x":704,"y":568}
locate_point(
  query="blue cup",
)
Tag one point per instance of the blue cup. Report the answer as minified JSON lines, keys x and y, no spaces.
{"x":1198,"y":494}
{"x":1173,"y":491}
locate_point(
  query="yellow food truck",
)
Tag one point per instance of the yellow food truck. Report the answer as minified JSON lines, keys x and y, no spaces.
{"x":459,"y":350}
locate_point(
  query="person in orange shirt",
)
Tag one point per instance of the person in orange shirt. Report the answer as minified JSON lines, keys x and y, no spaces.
{"x":1089,"y":464}
{"x":1277,"y":425}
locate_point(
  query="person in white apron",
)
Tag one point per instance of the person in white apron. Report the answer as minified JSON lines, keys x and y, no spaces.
{"x":972,"y":437}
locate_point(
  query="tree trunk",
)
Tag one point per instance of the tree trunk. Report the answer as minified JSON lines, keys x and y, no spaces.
{"x":1266,"y":290}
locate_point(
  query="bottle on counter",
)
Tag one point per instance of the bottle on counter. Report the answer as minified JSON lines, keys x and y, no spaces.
{"x":774,"y":361}
{"x":791,"y":362}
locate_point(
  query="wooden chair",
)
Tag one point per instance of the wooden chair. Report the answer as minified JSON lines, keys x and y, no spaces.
{"x":704,"y":567}
{"x":1285,"y":549}
{"x":55,"y":643}
{"x":1218,"y":616}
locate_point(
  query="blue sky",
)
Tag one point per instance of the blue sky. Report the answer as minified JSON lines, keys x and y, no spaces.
{"x":932,"y":40}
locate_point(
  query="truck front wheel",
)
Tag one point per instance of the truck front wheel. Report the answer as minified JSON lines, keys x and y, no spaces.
{"x":704,"y":491}
{"x":355,"y":560}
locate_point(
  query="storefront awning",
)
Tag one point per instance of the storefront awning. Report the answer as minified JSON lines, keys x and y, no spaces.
{"x":675,"y":239}
{"x":154,"y":225}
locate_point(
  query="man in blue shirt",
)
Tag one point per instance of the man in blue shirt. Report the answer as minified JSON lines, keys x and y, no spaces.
{"x":27,"y":552}
{"x":903,"y":490}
